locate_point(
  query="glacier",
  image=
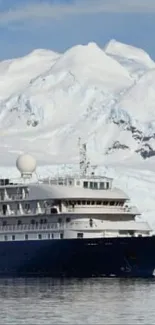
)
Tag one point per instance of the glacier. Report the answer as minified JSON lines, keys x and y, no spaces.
{"x":103,"y":95}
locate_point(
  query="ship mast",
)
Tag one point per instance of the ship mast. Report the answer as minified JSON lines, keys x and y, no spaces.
{"x":83,"y":162}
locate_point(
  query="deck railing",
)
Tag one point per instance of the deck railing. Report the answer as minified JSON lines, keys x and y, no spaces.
{"x":77,"y":225}
{"x":29,"y":227}
{"x":77,"y":209}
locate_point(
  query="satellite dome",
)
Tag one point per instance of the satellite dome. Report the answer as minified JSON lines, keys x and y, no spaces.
{"x":26,"y":164}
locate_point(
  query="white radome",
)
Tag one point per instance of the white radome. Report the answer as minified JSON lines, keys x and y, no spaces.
{"x":26,"y":164}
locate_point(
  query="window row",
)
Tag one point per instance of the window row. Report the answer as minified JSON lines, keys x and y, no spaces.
{"x":34,"y":222}
{"x":115,"y":203}
{"x":39,"y":236}
{"x":96,"y":185}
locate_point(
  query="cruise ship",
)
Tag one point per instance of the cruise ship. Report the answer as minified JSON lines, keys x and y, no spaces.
{"x":71,"y":226}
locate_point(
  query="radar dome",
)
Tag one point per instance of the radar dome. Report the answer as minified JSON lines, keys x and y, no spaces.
{"x":26,"y":164}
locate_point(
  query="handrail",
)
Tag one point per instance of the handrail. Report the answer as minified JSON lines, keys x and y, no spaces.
{"x":30,"y":227}
{"x":73,"y":225}
{"x":70,"y":209}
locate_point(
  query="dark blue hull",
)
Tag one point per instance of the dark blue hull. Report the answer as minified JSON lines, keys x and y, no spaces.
{"x":120,"y":257}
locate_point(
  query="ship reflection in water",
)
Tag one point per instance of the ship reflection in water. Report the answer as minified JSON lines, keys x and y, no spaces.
{"x":73,"y":301}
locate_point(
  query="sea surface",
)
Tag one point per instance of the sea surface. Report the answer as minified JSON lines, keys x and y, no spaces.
{"x":73,"y":301}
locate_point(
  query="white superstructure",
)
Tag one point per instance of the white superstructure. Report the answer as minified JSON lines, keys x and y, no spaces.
{"x":84,"y":206}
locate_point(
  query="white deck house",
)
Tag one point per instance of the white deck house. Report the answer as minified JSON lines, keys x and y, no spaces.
{"x":64,"y":208}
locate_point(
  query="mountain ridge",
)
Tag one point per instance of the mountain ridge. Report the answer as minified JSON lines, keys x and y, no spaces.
{"x":106,"y":96}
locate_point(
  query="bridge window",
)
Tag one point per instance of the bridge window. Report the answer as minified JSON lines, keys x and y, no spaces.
{"x":19,"y":222}
{"x":52,"y":235}
{"x":61,"y":235}
{"x":95,"y":185}
{"x":68,"y":219}
{"x":4,"y":223}
{"x":107,"y":183}
{"x":101,"y":186}
{"x":5,"y":237}
{"x":85,"y":184}
{"x":13,"y":237}
{"x":49,"y":236}
{"x":39,"y":236}
{"x":91,"y":184}
{"x":26,"y":237}
{"x":112,"y":203}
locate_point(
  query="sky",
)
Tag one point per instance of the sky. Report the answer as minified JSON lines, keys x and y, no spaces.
{"x":26,"y":25}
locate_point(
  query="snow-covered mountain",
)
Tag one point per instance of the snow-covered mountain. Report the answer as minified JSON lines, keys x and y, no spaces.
{"x":106,"y":96}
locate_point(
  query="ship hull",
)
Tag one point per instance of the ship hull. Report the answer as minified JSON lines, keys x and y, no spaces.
{"x":119,"y":257}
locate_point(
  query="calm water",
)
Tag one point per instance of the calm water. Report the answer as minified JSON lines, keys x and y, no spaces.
{"x":92,"y":301}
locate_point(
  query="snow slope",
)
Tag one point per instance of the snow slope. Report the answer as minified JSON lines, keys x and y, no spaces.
{"x":139,"y":100}
{"x":48,"y":100}
{"x":16,"y":74}
{"x":135,"y":60}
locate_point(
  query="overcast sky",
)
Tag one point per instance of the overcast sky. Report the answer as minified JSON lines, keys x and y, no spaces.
{"x":59,"y":24}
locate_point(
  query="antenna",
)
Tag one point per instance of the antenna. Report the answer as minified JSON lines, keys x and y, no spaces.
{"x":93,"y":169}
{"x":83,"y":163}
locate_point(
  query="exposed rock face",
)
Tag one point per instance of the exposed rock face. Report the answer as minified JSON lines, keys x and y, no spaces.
{"x":116,"y":146}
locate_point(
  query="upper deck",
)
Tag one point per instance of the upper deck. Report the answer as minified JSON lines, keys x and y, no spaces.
{"x":84,"y":192}
{"x":93,"y":182}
